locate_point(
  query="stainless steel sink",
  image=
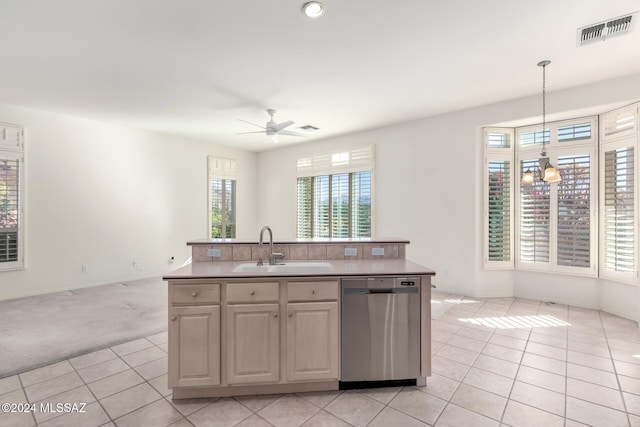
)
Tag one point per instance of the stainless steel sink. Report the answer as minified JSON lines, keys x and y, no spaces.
{"x":289,"y":267}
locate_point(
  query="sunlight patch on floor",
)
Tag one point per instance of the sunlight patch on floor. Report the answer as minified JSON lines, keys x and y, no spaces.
{"x":512,"y":322}
{"x":455,"y":301}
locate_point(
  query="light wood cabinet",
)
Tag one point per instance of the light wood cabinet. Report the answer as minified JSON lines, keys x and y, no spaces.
{"x":253,"y":343}
{"x":312,"y":341}
{"x":194,"y":340}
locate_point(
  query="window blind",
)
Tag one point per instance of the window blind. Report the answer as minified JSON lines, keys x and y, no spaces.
{"x":574,"y":132}
{"x":574,"y":211}
{"x":361,"y":204}
{"x":348,"y":160}
{"x":10,"y":217}
{"x":534,"y":137}
{"x":222,"y":168}
{"x":499,"y":207}
{"x":619,"y":207}
{"x":498,"y":139}
{"x":305,"y":208}
{"x":535,"y":213}
{"x":334,"y":205}
{"x":223,"y":208}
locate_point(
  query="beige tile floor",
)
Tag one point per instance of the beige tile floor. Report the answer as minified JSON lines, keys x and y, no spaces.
{"x":497,"y":361}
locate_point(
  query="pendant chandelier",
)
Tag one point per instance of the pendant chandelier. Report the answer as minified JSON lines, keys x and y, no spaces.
{"x":548,"y":173}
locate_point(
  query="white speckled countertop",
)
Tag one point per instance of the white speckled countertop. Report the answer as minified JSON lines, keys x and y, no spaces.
{"x":360,"y":267}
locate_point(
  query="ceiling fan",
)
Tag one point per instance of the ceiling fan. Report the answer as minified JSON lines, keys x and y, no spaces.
{"x":273,"y":129}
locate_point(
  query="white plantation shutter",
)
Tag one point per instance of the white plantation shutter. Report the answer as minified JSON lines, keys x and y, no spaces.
{"x":619,"y":194}
{"x":305,"y":210}
{"x":354,"y":159}
{"x":535,"y":216}
{"x":498,"y":199}
{"x":222,"y":197}
{"x":499,"y":210}
{"x":11,"y":197}
{"x":334,"y":193}
{"x":574,"y":211}
{"x":619,"y":210}
{"x":361,"y":204}
{"x":321,"y":206}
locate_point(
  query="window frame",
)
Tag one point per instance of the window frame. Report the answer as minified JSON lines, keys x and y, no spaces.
{"x":224,"y":169}
{"x":612,"y":139}
{"x":516,"y":153}
{"x":12,"y":148}
{"x":498,"y":154}
{"x":341,"y":161}
{"x":556,"y":149}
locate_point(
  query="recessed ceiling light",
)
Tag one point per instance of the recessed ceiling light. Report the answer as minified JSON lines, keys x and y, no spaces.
{"x":313,"y":9}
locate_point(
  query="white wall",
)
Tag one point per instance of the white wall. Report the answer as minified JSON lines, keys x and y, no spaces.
{"x":428,"y":182}
{"x":103,"y":195}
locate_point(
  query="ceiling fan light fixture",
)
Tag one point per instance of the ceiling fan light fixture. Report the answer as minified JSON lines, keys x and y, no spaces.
{"x":313,"y":9}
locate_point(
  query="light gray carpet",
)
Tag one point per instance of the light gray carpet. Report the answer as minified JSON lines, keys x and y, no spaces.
{"x":43,"y":329}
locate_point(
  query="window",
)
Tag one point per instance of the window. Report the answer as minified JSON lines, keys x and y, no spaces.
{"x":619,"y":200}
{"x":499,"y":198}
{"x":334,"y":194}
{"x":222,"y":198}
{"x":554,"y":224}
{"x":11,"y":197}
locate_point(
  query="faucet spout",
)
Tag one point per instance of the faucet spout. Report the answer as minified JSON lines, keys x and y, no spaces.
{"x":273,"y":256}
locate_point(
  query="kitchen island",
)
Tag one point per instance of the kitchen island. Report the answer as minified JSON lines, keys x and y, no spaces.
{"x":239,"y":328}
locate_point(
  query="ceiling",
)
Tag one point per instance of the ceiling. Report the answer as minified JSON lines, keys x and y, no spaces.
{"x":194,"y":67}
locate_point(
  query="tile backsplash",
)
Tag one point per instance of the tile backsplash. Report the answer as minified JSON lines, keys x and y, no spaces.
{"x":300,"y":251}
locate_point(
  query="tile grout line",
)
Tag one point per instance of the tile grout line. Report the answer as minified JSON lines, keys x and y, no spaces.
{"x":515,"y":377}
{"x":615,"y":370}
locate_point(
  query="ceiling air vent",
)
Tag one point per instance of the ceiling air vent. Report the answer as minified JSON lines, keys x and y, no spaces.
{"x":603,"y":30}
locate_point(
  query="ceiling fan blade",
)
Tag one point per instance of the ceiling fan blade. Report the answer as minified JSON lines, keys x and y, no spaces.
{"x":279,"y":126}
{"x":244,"y":133}
{"x":291,"y":133}
{"x":244,"y":121}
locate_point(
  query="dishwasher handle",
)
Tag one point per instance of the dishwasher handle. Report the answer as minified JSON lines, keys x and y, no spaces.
{"x":361,"y":291}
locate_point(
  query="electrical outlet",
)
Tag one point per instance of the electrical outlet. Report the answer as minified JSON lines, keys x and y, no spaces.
{"x":84,"y":268}
{"x":213,"y":253}
{"x":350,"y":251}
{"x":135,"y":263}
{"x":377,"y":251}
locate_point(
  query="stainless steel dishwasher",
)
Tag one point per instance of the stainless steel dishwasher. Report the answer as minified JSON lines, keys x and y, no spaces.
{"x":380,"y":332}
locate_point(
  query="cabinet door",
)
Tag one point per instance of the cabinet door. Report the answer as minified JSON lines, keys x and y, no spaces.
{"x":194,"y":346}
{"x":312,"y":341}
{"x":253,"y":343}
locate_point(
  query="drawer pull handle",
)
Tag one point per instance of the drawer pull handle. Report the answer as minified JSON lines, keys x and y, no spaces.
{"x":252,"y":292}
{"x":195,"y":294}
{"x":173,"y":318}
{"x":275,"y":314}
{"x":313,"y":292}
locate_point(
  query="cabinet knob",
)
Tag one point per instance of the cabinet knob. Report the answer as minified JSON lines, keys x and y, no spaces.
{"x":252,"y":292}
{"x":290,"y":314}
{"x":195,"y":294}
{"x":313,"y":292}
{"x":173,"y":318}
{"x":275,"y":314}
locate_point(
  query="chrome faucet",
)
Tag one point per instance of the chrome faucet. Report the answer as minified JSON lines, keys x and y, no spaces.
{"x":273,"y":256}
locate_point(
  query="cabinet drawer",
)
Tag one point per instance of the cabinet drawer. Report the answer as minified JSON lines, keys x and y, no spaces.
{"x":195,"y":294}
{"x":253,"y":292}
{"x":312,"y":291}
